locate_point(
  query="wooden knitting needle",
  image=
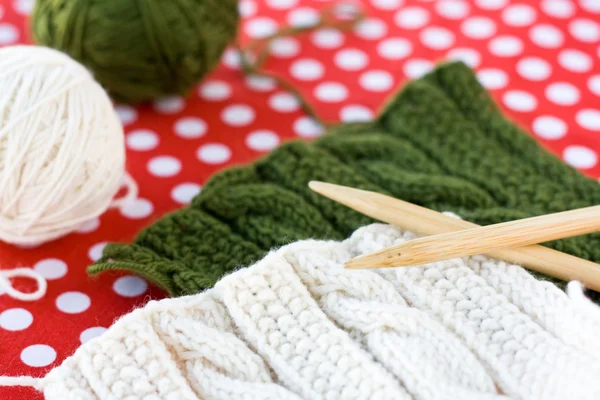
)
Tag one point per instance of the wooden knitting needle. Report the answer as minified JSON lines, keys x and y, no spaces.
{"x":429,"y":222}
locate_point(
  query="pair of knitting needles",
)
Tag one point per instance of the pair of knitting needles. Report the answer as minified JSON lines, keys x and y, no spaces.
{"x":514,"y":242}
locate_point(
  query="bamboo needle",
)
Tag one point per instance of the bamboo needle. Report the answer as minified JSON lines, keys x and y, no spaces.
{"x":429,"y":222}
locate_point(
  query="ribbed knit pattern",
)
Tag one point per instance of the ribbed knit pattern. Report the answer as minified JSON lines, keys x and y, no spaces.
{"x":441,"y":142}
{"x":297,"y":325}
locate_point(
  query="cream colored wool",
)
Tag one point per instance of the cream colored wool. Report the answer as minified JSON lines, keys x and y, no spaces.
{"x":62,"y":152}
{"x":296,"y":325}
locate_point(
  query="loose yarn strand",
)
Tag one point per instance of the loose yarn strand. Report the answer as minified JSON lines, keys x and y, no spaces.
{"x":28,"y":381}
{"x":132,"y":192}
{"x":331,"y":17}
{"x":7,"y":286}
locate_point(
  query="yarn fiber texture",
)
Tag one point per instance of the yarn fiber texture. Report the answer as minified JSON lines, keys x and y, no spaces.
{"x":62,"y":150}
{"x":139,"y":50}
{"x":441,"y":143}
{"x":297,"y":325}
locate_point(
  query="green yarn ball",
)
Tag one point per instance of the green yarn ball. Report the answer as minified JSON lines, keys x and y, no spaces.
{"x":139,"y":50}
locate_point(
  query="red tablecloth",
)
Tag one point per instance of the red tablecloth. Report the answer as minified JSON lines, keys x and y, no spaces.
{"x":539,"y":58}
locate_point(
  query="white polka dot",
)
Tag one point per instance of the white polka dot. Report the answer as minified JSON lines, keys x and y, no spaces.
{"x":281,"y":4}
{"x":307,"y":69}
{"x":394,"y":48}
{"x":575,"y":60}
{"x":190,"y":127}
{"x":558,"y":8}
{"x":519,"y":15}
{"x":470,"y":57}
{"x":589,"y":119}
{"x":51,"y":268}
{"x":247,"y":8}
{"x":436,"y":38}
{"x":283,"y":102}
{"x":238,"y":115}
{"x":492,"y":78}
{"x":73,"y":302}
{"x":164,"y":166}
{"x":141,"y":140}
{"x":491,"y":4}
{"x":303,"y":17}
{"x":585,"y":30}
{"x":95,"y":252}
{"x":519,"y":100}
{"x":38,"y":355}
{"x":262,"y":140}
{"x":169,"y":105}
{"x":546,"y":36}
{"x":137,"y":209}
{"x":594,"y":84}
{"x":307,"y":127}
{"x":260,"y":27}
{"x":452,"y":9}
{"x":23,"y":7}
{"x":127,"y":114}
{"x":534,"y":68}
{"x":91,"y":333}
{"x":417,"y":67}
{"x":351,"y":59}
{"x":231,"y":59}
{"x":478,"y":28}
{"x":371,"y":29}
{"x":215,"y":90}
{"x":549,"y":127}
{"x":260,"y":83}
{"x":15,"y":319}
{"x":89,"y":226}
{"x":130,"y":286}
{"x":331,"y":92}
{"x":562,"y":93}
{"x":376,"y":81}
{"x":185,"y":192}
{"x":8,"y":34}
{"x":356,"y":113}
{"x":284,"y":47}
{"x":580,"y":157}
{"x":387,"y":4}
{"x":506,"y":46}
{"x":592,"y":6}
{"x":328,"y":38}
{"x":214,"y":153}
{"x":411,"y":18}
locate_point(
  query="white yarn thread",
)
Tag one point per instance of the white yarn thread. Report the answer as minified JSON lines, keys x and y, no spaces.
{"x":7,"y":287}
{"x":62,"y":152}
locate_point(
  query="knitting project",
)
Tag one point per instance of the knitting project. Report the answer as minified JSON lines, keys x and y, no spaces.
{"x":297,"y":325}
{"x":441,"y":143}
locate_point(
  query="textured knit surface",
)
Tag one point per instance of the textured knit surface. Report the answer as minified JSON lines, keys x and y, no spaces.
{"x":441,"y":143}
{"x":297,"y":325}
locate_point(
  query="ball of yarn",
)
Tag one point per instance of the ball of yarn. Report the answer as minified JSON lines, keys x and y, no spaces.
{"x":139,"y":50}
{"x":62,"y":151}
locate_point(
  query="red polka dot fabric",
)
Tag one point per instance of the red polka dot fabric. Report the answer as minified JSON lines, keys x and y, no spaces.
{"x":540,"y":59}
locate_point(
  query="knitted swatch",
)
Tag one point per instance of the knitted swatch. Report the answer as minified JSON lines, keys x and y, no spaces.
{"x":441,"y":143}
{"x":297,"y":325}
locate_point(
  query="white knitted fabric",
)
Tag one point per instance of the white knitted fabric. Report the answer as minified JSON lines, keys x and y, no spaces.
{"x":297,"y":325}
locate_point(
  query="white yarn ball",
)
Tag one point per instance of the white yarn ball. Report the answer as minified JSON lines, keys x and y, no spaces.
{"x":62,"y":150}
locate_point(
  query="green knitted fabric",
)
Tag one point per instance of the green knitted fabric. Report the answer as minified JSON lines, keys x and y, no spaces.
{"x":139,"y":50}
{"x":441,"y":143}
